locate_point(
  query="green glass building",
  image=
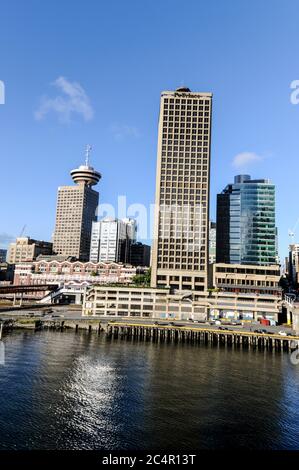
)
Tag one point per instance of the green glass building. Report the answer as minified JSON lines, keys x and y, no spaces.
{"x":246,"y":231}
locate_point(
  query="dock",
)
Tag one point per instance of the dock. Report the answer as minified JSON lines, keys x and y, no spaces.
{"x":164,"y":333}
{"x":193,"y":335}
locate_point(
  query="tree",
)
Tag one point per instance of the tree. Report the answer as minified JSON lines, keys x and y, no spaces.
{"x":143,"y":280}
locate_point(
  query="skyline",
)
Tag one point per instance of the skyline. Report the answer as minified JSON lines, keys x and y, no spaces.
{"x":252,"y":74}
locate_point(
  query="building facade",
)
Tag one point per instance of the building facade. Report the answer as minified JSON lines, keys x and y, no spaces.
{"x":246,"y":232}
{"x":111,"y":240}
{"x":139,"y":302}
{"x":73,"y":272}
{"x":212,"y":242}
{"x":3,"y":255}
{"x":140,"y":254}
{"x":161,"y":303}
{"x":293,"y":264}
{"x":75,"y":213}
{"x":27,"y":249}
{"x":6,"y":273}
{"x":181,"y":227}
{"x":242,"y":278}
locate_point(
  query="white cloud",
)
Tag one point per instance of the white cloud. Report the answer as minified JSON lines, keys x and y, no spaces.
{"x":5,"y":239}
{"x":72,"y":100}
{"x":244,"y":159}
{"x":121,"y":131}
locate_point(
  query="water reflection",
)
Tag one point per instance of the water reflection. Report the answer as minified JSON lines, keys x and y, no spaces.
{"x":80,"y":391}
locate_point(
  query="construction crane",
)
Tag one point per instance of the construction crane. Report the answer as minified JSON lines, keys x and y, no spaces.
{"x":23,"y":230}
{"x":292,"y":232}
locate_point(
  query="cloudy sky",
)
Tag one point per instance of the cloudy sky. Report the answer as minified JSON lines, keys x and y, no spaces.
{"x":91,"y":72}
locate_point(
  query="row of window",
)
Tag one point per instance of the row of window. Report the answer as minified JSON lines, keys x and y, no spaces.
{"x":179,"y":266}
{"x":182,"y":101}
{"x":248,"y":282}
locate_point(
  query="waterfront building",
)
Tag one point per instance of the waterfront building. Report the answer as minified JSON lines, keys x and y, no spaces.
{"x":246,"y":232}
{"x":111,"y":240}
{"x":27,"y":249}
{"x":181,"y":226}
{"x":137,"y":302}
{"x":161,"y":303}
{"x":75,"y":212}
{"x":68,"y":271}
{"x":140,"y":254}
{"x":242,"y":278}
{"x":212,"y":242}
{"x":3,"y":255}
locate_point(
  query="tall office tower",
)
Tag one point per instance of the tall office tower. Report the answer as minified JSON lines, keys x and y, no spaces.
{"x":246,"y":232}
{"x":180,"y":245}
{"x":76,"y":210}
{"x":111,"y":240}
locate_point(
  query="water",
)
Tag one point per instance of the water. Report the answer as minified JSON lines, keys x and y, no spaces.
{"x":80,"y":391}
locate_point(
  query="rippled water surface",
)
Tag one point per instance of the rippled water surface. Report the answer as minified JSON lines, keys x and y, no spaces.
{"x":80,"y":391}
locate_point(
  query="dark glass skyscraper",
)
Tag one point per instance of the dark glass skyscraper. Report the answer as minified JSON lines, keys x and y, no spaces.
{"x":246,"y":232}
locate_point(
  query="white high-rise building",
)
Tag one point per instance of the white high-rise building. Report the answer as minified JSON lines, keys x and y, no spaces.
{"x":111,"y":240}
{"x":95,"y":241}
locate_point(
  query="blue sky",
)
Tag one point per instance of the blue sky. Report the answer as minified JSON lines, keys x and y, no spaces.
{"x":121,"y":55}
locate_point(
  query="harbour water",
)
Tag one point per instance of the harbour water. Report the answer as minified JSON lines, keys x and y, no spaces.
{"x":67,"y":390}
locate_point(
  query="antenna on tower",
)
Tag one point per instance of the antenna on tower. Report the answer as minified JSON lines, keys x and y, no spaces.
{"x":87,"y":153}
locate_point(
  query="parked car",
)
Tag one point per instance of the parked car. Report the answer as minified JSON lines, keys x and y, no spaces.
{"x":222,"y":328}
{"x":282,"y":333}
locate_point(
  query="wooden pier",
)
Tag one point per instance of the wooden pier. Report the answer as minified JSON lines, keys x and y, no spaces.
{"x":167,"y":333}
{"x":192,"y":335}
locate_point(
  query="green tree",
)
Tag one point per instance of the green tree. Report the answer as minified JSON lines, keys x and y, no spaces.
{"x":142,"y":279}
